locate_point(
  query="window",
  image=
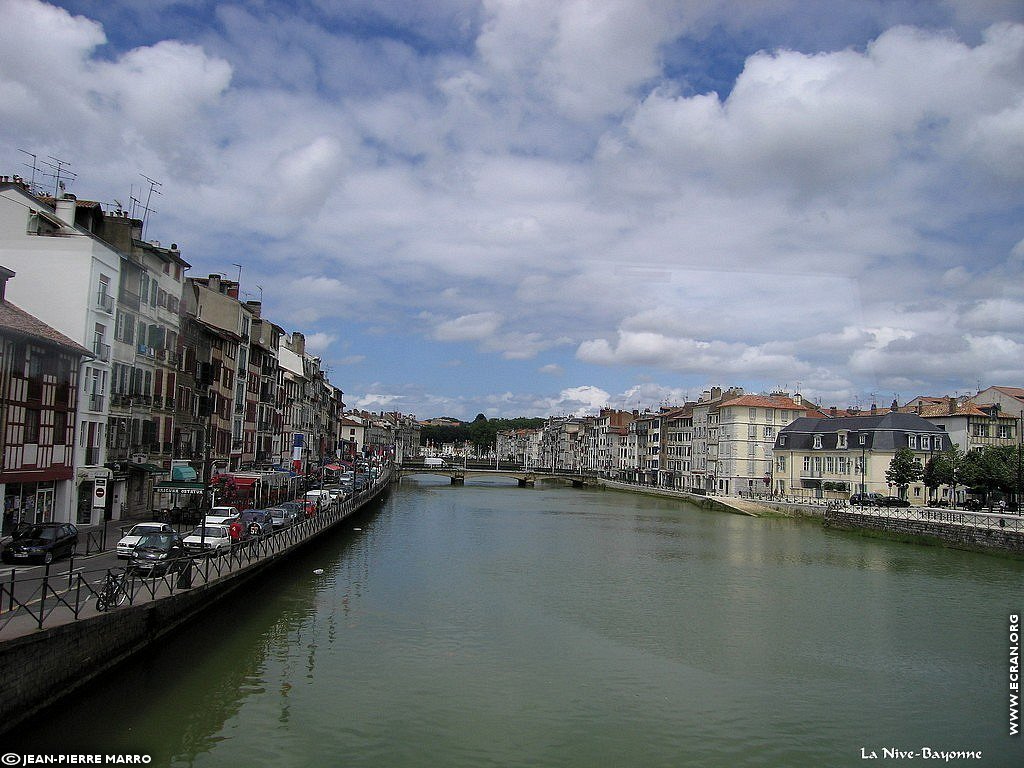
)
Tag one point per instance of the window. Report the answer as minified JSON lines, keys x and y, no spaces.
{"x":863,"y":439}
{"x":980,"y":429}
{"x":753,"y":414}
{"x":769,"y":431}
{"x":817,"y":441}
{"x":841,"y":440}
{"x":780,"y":463}
{"x":31,"y":425}
{"x":1005,"y":431}
{"x":807,"y":463}
{"x":782,"y":440}
{"x":911,"y":441}
{"x":925,"y":442}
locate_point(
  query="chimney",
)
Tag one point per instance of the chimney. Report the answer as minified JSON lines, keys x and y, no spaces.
{"x":716,"y":393}
{"x":66,"y":205}
{"x":298,"y":343}
{"x":5,"y":275}
{"x":213,"y":283}
{"x":798,"y":398}
{"x":895,"y":405}
{"x":874,"y":409}
{"x":255,"y":307}
{"x":952,"y":405}
{"x":920,"y":408}
{"x":832,"y":412}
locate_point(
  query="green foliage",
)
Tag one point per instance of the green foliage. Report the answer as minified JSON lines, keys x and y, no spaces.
{"x":992,"y":468}
{"x":481,"y":432}
{"x":903,"y":470}
{"x":944,"y":469}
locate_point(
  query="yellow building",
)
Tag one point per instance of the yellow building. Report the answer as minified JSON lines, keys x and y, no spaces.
{"x":852,"y":454}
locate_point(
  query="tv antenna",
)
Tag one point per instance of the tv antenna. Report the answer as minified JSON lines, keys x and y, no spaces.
{"x":60,"y":173}
{"x":146,"y":210}
{"x":33,"y":166}
{"x":239,"y":272}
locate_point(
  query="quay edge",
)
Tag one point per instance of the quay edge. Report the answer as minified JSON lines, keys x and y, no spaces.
{"x":37,"y":670}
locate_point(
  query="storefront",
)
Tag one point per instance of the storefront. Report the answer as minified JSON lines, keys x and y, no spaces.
{"x":28,"y":503}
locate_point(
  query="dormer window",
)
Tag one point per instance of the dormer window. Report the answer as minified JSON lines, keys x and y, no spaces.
{"x":863,"y":439}
{"x":817,"y":441}
{"x":841,"y":440}
{"x":911,"y":441}
{"x":925,"y":442}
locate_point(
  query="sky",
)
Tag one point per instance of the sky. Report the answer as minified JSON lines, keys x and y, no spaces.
{"x":533,"y":208}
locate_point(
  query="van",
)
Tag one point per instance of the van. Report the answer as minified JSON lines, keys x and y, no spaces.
{"x":434,"y":461}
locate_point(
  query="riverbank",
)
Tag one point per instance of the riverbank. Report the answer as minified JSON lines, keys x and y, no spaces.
{"x":733,"y":504}
{"x":40,"y":665}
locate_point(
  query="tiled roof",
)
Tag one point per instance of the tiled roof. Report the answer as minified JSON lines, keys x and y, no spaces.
{"x":1016,"y":392}
{"x":17,"y":322}
{"x":767,"y":401}
{"x":943,"y":409}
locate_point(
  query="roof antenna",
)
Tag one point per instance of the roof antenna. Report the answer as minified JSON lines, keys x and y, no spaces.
{"x":153,"y":184}
{"x":239,"y":272}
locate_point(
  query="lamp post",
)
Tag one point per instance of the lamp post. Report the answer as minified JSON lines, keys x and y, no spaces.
{"x":1020,"y":448}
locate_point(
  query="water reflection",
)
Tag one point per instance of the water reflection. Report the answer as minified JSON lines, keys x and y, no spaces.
{"x":565,"y":627}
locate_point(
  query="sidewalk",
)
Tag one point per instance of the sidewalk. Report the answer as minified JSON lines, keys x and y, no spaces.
{"x":103,"y":536}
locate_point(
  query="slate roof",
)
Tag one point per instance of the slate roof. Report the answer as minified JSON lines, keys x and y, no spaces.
{"x":884,"y":432}
{"x":15,"y":321}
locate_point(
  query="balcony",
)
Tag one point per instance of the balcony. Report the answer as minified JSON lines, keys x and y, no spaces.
{"x":95,"y":402}
{"x":101,"y":350}
{"x":105,"y":303}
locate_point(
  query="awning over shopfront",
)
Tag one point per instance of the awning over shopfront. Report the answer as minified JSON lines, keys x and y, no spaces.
{"x":179,"y":486}
{"x":153,"y":469}
{"x":184,"y":473}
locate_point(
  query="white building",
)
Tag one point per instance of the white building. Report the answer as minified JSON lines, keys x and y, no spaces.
{"x":69,"y":279}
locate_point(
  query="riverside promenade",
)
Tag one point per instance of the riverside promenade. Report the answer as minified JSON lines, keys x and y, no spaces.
{"x":53,"y":639}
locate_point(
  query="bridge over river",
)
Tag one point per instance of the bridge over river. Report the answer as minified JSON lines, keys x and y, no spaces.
{"x":524,"y":477}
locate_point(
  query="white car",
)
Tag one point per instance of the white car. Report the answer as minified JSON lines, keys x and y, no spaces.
{"x":209,"y":540}
{"x":130,"y":539}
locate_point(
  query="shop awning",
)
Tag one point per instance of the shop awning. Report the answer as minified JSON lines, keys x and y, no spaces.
{"x":184,"y":473}
{"x":179,"y":486}
{"x":332,"y":467}
{"x":153,"y":469}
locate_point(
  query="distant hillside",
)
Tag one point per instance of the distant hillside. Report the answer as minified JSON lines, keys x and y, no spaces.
{"x":481,"y":431}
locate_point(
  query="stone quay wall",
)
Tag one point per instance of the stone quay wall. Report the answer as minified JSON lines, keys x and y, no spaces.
{"x":985,"y":539}
{"x":39,"y":668}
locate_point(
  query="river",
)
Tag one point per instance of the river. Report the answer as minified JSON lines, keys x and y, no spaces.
{"x":491,"y":625}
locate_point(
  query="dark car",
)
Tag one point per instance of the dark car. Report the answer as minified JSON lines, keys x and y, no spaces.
{"x":158,"y":553}
{"x":42,"y":542}
{"x":893,"y":501}
{"x":283,"y":518}
{"x":257,"y":523}
{"x":866,"y":500}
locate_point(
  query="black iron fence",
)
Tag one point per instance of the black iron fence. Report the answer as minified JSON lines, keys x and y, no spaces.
{"x":967,"y":519}
{"x":31,"y":602}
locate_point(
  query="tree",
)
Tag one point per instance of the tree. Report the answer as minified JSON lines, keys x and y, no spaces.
{"x":988,"y":469}
{"x":944,"y":469}
{"x":903,"y":470}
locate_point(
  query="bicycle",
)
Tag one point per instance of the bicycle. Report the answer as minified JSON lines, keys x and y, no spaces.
{"x":114,"y":592}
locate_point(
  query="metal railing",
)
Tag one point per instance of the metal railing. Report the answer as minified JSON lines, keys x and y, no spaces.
{"x":963,"y":518}
{"x":30,"y":603}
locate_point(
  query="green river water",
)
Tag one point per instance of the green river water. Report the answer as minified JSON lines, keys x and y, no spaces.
{"x":491,"y":625}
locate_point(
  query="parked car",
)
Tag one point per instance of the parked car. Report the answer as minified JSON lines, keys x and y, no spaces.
{"x":208,"y":540}
{"x":866,"y":500}
{"x":893,"y":501}
{"x":158,"y":553}
{"x":135,"y":533}
{"x":221,"y":516}
{"x":281,"y":518}
{"x":42,"y":542}
{"x":257,"y":523}
{"x":304,"y":507}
